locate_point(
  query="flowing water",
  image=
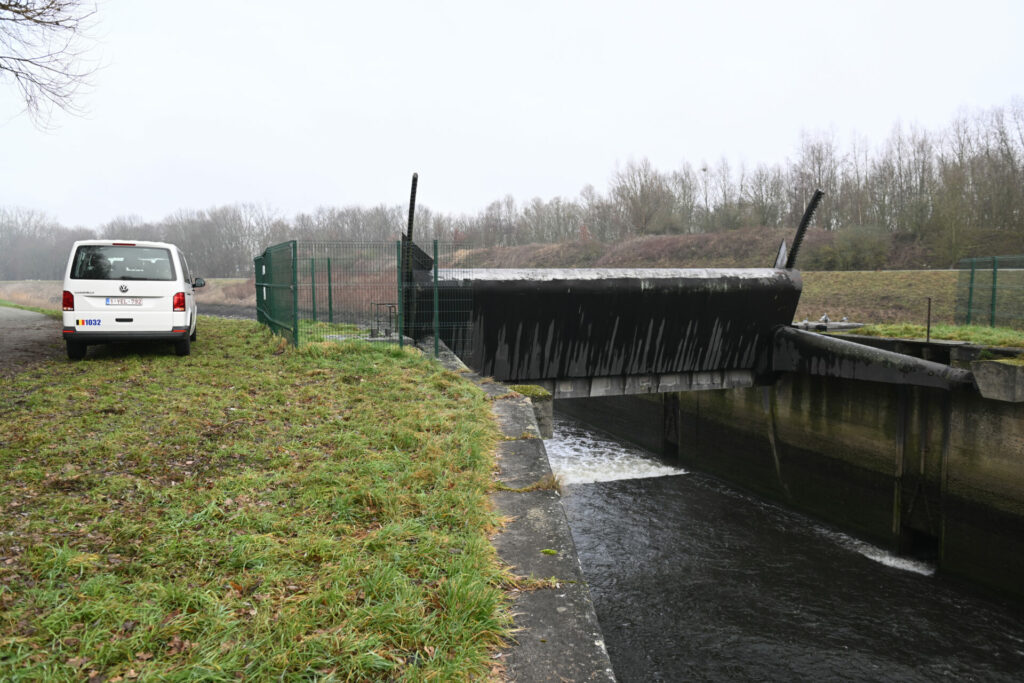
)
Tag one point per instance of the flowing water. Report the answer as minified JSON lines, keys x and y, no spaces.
{"x":693,"y":580}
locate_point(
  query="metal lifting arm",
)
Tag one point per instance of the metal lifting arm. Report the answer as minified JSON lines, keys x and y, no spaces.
{"x":802,"y":228}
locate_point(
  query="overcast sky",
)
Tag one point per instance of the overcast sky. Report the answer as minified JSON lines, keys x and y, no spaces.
{"x":298,"y":105}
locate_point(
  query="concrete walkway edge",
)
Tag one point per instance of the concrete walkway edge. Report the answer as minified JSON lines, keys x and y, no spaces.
{"x":557,"y":635}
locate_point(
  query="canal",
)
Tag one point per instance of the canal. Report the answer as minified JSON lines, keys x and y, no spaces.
{"x":694,"y":580}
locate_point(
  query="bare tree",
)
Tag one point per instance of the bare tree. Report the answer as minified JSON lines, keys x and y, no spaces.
{"x":644,"y":197}
{"x":41,"y":52}
{"x":764,"y":195}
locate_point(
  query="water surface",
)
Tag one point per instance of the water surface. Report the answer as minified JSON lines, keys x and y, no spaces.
{"x":693,"y":580}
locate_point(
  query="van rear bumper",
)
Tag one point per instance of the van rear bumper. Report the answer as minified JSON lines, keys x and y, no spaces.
{"x":90,"y":337}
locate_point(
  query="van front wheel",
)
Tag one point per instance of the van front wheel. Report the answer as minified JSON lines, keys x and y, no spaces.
{"x":183,"y":347}
{"x":76,"y":350}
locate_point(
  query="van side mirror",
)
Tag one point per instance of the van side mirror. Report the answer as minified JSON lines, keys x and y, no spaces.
{"x":199,"y":282}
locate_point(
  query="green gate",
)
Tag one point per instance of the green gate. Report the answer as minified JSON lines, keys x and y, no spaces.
{"x":276,"y":290}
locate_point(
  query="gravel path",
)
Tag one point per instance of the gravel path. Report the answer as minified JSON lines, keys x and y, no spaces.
{"x":27,"y":339}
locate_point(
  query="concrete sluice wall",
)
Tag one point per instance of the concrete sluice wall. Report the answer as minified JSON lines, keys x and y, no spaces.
{"x":938,"y":474}
{"x":559,"y":325}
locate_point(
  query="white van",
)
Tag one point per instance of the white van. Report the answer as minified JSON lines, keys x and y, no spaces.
{"x":120,"y":290}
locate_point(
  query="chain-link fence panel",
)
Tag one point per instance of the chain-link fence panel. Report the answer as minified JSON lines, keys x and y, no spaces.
{"x":394,"y":292}
{"x":347,"y":290}
{"x":990,"y":291}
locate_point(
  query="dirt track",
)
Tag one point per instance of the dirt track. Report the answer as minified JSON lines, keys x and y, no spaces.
{"x":227,"y":310}
{"x":27,"y":339}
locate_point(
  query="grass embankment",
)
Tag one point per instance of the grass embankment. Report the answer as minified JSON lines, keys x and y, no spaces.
{"x":46,"y":294}
{"x":881,"y":296}
{"x":975,"y":334}
{"x":39,"y":294}
{"x":249,"y":511}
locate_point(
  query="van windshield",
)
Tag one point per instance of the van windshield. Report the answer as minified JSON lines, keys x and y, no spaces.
{"x":107,"y":262}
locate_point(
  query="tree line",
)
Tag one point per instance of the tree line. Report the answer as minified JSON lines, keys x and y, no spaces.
{"x":944,"y":195}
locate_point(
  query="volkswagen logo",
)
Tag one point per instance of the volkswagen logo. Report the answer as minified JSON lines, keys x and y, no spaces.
{"x":123,"y":288}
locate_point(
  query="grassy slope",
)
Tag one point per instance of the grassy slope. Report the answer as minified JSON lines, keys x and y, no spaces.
{"x":883,"y":296}
{"x":247,"y":511}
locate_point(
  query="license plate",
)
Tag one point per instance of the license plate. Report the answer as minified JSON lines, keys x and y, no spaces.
{"x":121,"y":301}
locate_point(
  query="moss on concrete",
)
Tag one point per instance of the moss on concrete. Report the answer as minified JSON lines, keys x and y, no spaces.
{"x":531,"y":391}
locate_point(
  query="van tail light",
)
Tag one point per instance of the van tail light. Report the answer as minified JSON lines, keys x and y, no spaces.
{"x":179,"y":301}
{"x":69,"y":301}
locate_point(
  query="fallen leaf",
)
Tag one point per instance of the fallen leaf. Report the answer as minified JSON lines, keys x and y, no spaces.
{"x":170,"y":617}
{"x":143,"y":656}
{"x":178,"y":645}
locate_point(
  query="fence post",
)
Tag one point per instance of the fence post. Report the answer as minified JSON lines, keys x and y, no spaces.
{"x":437,"y":315}
{"x":256,"y":262}
{"x":295,"y":291}
{"x":970,"y":293}
{"x":312,"y":284}
{"x":401,"y":306}
{"x":929,"y":338}
{"x":330,"y":293}
{"x":995,"y":276}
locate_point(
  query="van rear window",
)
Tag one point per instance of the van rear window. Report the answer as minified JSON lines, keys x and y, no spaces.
{"x":107,"y":262}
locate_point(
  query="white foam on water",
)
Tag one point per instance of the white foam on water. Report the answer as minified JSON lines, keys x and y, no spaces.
{"x":873,"y":552}
{"x":580,"y":456}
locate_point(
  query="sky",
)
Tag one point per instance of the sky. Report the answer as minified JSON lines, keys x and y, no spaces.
{"x":292,"y":106}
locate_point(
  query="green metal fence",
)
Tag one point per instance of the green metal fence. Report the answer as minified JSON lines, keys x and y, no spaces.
{"x":276,"y":291}
{"x":329,"y":291}
{"x":990,"y":291}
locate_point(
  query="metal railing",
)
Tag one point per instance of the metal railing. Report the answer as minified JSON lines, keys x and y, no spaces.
{"x":990,"y":291}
